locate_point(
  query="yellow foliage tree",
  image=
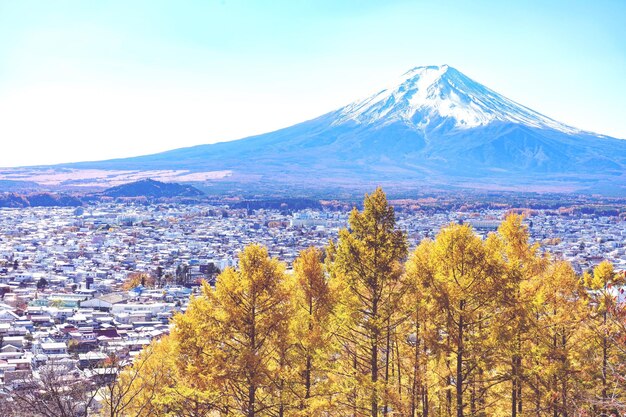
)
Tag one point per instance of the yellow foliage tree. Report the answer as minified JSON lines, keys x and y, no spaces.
{"x":313,"y":329}
{"x":367,"y":260}
{"x":231,"y":337}
{"x":136,"y":279}
{"x":464,"y":285}
{"x":605,"y":333}
{"x":139,"y":389}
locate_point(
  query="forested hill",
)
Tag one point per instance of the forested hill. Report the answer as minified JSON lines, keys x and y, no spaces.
{"x":148,"y":190}
{"x":152,"y":188}
{"x":16,"y":200}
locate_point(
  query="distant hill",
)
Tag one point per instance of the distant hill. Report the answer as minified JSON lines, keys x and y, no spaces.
{"x":54,"y":200}
{"x":15,"y":200}
{"x":144,"y":189}
{"x":18,"y":186}
{"x":152,"y":188}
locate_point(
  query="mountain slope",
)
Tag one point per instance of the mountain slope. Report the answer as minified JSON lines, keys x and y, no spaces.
{"x":432,"y":127}
{"x":424,"y":94}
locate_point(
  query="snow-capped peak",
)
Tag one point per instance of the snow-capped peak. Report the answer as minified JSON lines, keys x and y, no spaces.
{"x":424,"y":94}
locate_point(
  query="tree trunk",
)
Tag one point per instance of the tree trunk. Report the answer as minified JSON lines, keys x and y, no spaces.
{"x":449,"y":376}
{"x":354,"y":393}
{"x":309,"y":361}
{"x":399,"y":359}
{"x":482,"y":393}
{"x":459,"y":363}
{"x":307,"y":378}
{"x":414,"y":388}
{"x":514,"y":386}
{"x":519,"y":384}
{"x":555,"y":386}
{"x":473,"y":398}
{"x":374,"y":376}
{"x":387,"y":355}
{"x":425,"y":404}
{"x":253,"y":348}
{"x":564,"y":383}
{"x":604,"y":365}
{"x":251,"y":400}
{"x":374,"y":360}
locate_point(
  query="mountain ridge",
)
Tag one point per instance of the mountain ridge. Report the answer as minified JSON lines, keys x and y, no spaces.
{"x":433,"y":127}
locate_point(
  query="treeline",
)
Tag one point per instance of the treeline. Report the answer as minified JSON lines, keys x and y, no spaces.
{"x":459,"y":327}
{"x":286,"y":204}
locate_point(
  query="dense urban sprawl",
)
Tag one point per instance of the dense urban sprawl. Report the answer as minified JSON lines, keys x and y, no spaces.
{"x":63,"y":270}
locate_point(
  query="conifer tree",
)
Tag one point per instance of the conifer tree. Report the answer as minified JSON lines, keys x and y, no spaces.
{"x":239,"y":328}
{"x":463,"y":286}
{"x":312,"y":329}
{"x":523,"y":268}
{"x":604,"y":333}
{"x":420,"y":333}
{"x":367,"y":258}
{"x":559,"y":312}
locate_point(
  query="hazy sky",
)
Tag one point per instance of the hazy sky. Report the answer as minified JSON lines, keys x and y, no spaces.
{"x":89,"y":79}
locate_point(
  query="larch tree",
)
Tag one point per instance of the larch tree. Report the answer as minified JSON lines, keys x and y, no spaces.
{"x":231,"y":339}
{"x":141,"y":389}
{"x":200,"y":378}
{"x":254,"y":308}
{"x":559,"y":310}
{"x":313,"y":332}
{"x":523,"y":268}
{"x":368,"y":258}
{"x":617,"y":369}
{"x":420,"y":333}
{"x":463,"y":285}
{"x":604,"y":333}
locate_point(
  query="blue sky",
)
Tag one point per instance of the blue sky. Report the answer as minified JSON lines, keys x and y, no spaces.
{"x":88,"y":80}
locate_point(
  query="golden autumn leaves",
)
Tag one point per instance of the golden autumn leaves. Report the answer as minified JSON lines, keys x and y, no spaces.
{"x":461,"y":326}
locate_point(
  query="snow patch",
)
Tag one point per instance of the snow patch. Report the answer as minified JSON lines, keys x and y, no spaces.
{"x":442,"y":91}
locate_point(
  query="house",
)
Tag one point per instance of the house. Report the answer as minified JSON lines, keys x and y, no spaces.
{"x":7,"y":349}
{"x":152,"y":308}
{"x":17,"y":341}
{"x":54,"y":349}
{"x":104,"y":302}
{"x":90,"y":359}
{"x":20,"y":364}
{"x":8,"y":316}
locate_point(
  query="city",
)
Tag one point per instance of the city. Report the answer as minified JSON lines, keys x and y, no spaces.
{"x":312,"y":209}
{"x":63,"y":269}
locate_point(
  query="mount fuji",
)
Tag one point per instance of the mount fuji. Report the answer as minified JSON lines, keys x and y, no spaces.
{"x":433,"y":127}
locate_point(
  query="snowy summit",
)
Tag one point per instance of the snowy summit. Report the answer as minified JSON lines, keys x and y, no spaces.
{"x":424,"y":96}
